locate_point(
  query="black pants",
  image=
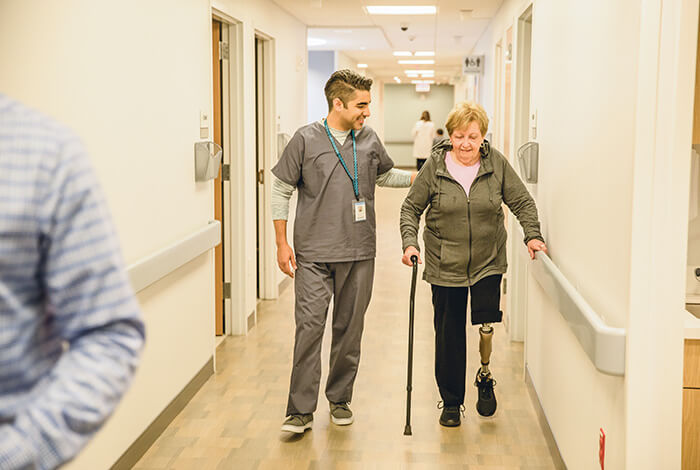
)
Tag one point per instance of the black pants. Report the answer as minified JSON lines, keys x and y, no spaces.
{"x":450,"y":306}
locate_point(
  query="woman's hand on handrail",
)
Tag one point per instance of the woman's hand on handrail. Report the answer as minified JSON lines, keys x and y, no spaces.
{"x":408,"y":252}
{"x":535,"y":245}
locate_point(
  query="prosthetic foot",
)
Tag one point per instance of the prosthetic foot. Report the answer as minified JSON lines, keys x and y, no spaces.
{"x":486,"y":402}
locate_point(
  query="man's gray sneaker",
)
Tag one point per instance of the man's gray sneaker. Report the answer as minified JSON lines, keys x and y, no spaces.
{"x":341,"y":414}
{"x":298,"y":423}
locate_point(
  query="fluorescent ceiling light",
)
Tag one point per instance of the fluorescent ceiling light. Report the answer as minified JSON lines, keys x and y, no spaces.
{"x":311,"y":42}
{"x":417,"y":62}
{"x":412,"y":75}
{"x":402,"y":10}
{"x":419,"y":71}
{"x":397,"y":79}
{"x":361,"y":66}
{"x":424,"y":54}
{"x":402,"y":53}
{"x":430,"y":82}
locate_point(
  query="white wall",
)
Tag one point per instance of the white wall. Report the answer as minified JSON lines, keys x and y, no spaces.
{"x":321,"y":66}
{"x":343,"y":61}
{"x":584,"y":89}
{"x":131,"y":79}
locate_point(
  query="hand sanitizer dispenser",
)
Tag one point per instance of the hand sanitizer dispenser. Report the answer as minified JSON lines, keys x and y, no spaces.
{"x":207,"y":158}
{"x":528,"y":158}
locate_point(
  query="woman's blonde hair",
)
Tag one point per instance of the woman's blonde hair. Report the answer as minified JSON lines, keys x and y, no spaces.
{"x":465,"y":112}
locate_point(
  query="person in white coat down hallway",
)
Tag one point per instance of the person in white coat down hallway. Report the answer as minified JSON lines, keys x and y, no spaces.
{"x":423,"y":133}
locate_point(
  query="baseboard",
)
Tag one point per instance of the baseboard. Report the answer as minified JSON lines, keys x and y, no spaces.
{"x":134,"y":453}
{"x":286,"y":282}
{"x":544,"y":424}
{"x":251,"y":320}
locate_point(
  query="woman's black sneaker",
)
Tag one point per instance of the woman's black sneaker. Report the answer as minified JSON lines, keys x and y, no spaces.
{"x":486,"y":403}
{"x":450,"y":416}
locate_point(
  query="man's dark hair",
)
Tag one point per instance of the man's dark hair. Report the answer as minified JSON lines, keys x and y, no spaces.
{"x":343,"y":84}
{"x":439,"y":132}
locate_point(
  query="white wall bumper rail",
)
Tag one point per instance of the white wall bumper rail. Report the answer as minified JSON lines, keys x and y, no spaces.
{"x":604,"y":344}
{"x":158,"y":265}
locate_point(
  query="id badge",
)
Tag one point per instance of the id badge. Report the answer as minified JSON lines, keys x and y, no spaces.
{"x":359,"y":210}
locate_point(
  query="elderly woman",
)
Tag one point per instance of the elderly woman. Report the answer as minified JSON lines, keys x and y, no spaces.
{"x":463,"y":185}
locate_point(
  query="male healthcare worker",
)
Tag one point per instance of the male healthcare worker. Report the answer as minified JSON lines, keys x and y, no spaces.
{"x":335,"y":164}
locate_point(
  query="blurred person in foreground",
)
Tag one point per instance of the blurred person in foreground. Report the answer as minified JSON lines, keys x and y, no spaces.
{"x":70,"y":327}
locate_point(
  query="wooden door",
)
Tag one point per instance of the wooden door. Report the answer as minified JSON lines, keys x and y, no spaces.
{"x":218,"y":206}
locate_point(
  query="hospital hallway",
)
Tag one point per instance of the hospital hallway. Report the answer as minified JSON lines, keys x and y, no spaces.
{"x":209,"y":132}
{"x":234,"y":421}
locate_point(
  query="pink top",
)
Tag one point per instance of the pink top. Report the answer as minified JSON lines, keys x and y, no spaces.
{"x":464,"y":175}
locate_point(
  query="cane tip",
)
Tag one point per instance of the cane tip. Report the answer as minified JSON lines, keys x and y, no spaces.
{"x":407,"y":431}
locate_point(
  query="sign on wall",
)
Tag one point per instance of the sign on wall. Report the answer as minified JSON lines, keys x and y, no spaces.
{"x":473,"y":64}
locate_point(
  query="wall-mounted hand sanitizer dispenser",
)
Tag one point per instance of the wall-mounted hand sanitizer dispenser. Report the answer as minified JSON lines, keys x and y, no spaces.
{"x":207,"y":158}
{"x":528,"y":158}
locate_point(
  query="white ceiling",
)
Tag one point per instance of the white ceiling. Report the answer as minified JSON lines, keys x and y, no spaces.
{"x":346,"y":26}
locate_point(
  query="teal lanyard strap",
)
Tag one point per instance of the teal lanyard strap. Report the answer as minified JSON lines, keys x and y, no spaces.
{"x":342,"y":162}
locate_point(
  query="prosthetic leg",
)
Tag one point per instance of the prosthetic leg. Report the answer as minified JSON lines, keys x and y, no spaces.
{"x":486,"y":402}
{"x":485,"y":347}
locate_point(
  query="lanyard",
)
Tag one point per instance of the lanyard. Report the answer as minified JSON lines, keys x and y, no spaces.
{"x":342,"y":162}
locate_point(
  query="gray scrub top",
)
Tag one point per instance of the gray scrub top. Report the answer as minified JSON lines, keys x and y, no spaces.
{"x":324,"y":227}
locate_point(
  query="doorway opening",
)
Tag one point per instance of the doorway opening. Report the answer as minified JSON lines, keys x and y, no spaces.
{"x":219,"y":202}
{"x":265,"y":139}
{"x":227,"y":72}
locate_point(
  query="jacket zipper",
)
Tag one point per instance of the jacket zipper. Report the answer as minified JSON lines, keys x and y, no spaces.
{"x":469,"y":223}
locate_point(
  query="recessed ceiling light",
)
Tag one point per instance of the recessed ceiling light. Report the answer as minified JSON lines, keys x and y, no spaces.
{"x":429,"y":82}
{"x":311,"y":42}
{"x":401,"y":10}
{"x":419,"y":71}
{"x":362,"y":48}
{"x":417,"y":62}
{"x":412,"y":75}
{"x":402,"y":53}
{"x":397,"y":79}
{"x":425,"y":53}
{"x":361,"y":66}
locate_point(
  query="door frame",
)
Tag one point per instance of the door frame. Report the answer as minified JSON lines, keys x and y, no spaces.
{"x":522,"y":98}
{"x":497,"y":91}
{"x":234,"y":192}
{"x":268,"y":287}
{"x":220,"y":185}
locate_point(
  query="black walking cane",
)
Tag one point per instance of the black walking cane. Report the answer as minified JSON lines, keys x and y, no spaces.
{"x":409,"y":379}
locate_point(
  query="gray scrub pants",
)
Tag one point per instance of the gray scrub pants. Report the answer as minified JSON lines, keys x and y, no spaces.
{"x":350,"y":284}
